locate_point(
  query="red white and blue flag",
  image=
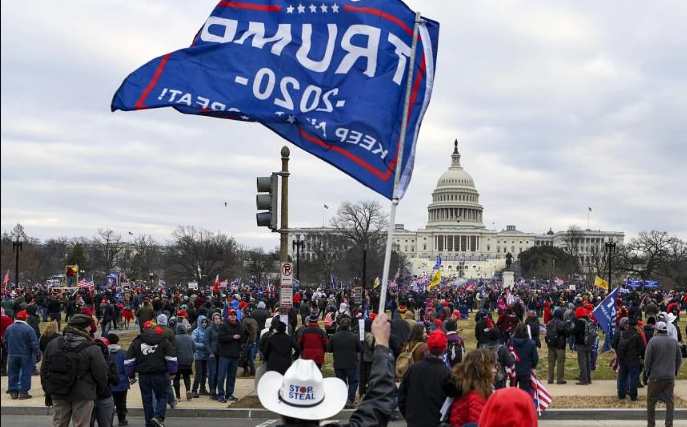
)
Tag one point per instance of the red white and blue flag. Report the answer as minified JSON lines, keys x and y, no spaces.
{"x":559,"y":282}
{"x":329,"y":76}
{"x":542,"y":398}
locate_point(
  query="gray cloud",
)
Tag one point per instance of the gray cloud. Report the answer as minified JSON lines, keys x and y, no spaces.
{"x":557,"y":107}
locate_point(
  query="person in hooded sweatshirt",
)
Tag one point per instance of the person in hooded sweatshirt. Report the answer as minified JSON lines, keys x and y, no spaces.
{"x":212,"y":350}
{"x":527,"y":356}
{"x":119,"y":390}
{"x":163,"y":324}
{"x":185,"y":349}
{"x":154,"y":358}
{"x":104,"y":402}
{"x":200,"y":357}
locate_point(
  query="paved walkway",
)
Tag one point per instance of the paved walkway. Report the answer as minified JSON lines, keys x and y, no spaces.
{"x":245,"y":387}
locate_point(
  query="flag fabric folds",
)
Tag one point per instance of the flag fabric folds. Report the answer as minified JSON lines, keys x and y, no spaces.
{"x":375,"y":285}
{"x":436,"y":279}
{"x":542,"y":398}
{"x":331,"y":78}
{"x":601,"y":283}
{"x":6,"y":280}
{"x":215,"y":290}
{"x":438,"y":263}
{"x":559,"y":281}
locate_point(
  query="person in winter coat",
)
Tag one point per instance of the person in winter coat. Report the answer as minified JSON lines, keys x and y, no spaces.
{"x":482,"y":327}
{"x":212,"y":349}
{"x":547,"y":312}
{"x":104,"y":403}
{"x":186,"y":347}
{"x":154,"y":359}
{"x":249,"y":328}
{"x":509,"y":405}
{"x":280,"y":349}
{"x":119,"y":390}
{"x":426,"y":384}
{"x":474,"y":377}
{"x":559,"y":328}
{"x":526,"y":356}
{"x":313,"y":341}
{"x":49,"y":334}
{"x":584,"y":352}
{"x":200,"y":357}
{"x":229,"y":349}
{"x":629,"y":347}
{"x":22,"y":347}
{"x":346,"y":348}
{"x":77,"y":406}
{"x":503,"y":358}
{"x":533,"y":322}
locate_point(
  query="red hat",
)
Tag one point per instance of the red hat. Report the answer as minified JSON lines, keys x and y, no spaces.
{"x":580,"y":312}
{"x":547,"y":304}
{"x":437,"y":340}
{"x":149,"y":324}
{"x":508,"y":407}
{"x":22,"y":315}
{"x":231,"y":311}
{"x":159,"y":331}
{"x":373,"y":316}
{"x":445,"y":303}
{"x":182,"y":313}
{"x":430,"y":305}
{"x":103,"y":340}
{"x":402,"y":308}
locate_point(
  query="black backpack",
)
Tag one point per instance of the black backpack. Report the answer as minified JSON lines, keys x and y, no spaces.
{"x":63,"y":369}
{"x":454,"y":352}
{"x":551,"y":337}
{"x":623,"y":344}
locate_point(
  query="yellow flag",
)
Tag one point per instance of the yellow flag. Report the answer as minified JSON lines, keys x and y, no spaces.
{"x":436,"y":279}
{"x":601,"y":283}
{"x":376,"y":283}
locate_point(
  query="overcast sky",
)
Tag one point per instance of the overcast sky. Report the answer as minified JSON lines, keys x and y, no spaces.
{"x":557,"y":107}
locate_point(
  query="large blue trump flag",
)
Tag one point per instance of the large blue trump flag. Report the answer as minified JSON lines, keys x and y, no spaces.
{"x":605,"y":313}
{"x":329,"y":76}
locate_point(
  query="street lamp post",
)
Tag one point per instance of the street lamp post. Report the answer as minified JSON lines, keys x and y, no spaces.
{"x":297,"y":245}
{"x":610,"y":249}
{"x":151,"y":278}
{"x":17,"y":244}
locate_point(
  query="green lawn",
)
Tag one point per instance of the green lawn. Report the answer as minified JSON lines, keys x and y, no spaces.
{"x":602,"y":372}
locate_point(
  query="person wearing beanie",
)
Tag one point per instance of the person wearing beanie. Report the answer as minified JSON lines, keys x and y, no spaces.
{"x":662,"y":362}
{"x":346,"y":348}
{"x":212,"y":348}
{"x":584,"y":352}
{"x":92,"y":373}
{"x":23,"y":353}
{"x":313,"y":341}
{"x":260,"y":314}
{"x":200,"y":358}
{"x":509,"y":407}
{"x":426,"y":384}
{"x":152,"y":356}
{"x":231,"y":339}
{"x":629,"y":348}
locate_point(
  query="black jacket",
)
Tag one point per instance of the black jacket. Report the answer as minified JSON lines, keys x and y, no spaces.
{"x":345,"y":346}
{"x":578,"y":331}
{"x":635,"y":346}
{"x":278,"y":353}
{"x":562,"y":331}
{"x":150,"y":353}
{"x":424,"y":387}
{"x":481,"y":329}
{"x":228,"y":345}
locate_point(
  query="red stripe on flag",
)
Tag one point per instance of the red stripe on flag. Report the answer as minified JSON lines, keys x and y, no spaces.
{"x":139,"y":104}
{"x":248,"y":6}
{"x":384,"y":15}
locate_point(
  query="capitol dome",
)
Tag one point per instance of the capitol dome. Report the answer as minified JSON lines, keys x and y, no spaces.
{"x":455,"y":200}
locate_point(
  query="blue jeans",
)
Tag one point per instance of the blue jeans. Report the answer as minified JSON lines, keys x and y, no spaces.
{"x":227,"y":369}
{"x":628,"y":380}
{"x":149,"y":384}
{"x":252,"y":351}
{"x":19,"y":370}
{"x":350,"y":377}
{"x":212,"y":374}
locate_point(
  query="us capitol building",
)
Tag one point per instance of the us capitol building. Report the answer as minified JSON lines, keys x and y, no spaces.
{"x":455,"y":230}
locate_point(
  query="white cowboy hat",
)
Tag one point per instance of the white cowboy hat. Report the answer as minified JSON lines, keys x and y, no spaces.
{"x":302,"y":393}
{"x":670,"y":317}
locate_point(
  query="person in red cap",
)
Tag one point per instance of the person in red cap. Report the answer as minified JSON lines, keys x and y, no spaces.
{"x":509,"y":407}
{"x":426,"y":384}
{"x":584,"y":351}
{"x":23,"y":352}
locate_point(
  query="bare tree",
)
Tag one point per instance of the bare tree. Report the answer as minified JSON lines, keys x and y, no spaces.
{"x":104,"y":251}
{"x":199,"y":255}
{"x":145,"y":257}
{"x":655,"y":255}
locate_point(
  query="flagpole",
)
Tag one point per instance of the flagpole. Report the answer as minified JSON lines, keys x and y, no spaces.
{"x":399,"y":164}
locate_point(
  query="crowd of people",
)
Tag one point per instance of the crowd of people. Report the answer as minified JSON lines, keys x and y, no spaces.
{"x":416,"y":360}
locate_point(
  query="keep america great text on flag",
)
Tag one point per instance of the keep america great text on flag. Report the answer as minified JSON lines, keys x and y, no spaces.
{"x":329,"y":76}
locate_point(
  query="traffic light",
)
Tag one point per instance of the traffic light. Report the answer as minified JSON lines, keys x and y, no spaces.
{"x":267,"y":200}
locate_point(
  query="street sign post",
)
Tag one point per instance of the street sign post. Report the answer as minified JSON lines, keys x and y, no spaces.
{"x":286,"y":294}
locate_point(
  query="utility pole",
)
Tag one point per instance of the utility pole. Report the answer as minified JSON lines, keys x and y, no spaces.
{"x":284,"y":247}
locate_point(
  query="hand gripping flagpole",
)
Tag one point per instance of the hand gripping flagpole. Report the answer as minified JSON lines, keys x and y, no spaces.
{"x":399,"y":166}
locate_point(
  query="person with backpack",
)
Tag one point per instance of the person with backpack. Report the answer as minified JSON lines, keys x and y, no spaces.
{"x":629,"y":348}
{"x":412,"y":351}
{"x":557,"y":333}
{"x":73,"y":373}
{"x":426,"y":384}
{"x":104,"y":402}
{"x":583,"y":333}
{"x":345,"y":347}
{"x":313,"y":341}
{"x":455,"y":347}
{"x":503,"y":357}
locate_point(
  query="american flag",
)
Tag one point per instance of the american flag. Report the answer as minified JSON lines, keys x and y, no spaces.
{"x":541,"y":396}
{"x":559,"y":281}
{"x":615,"y":365}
